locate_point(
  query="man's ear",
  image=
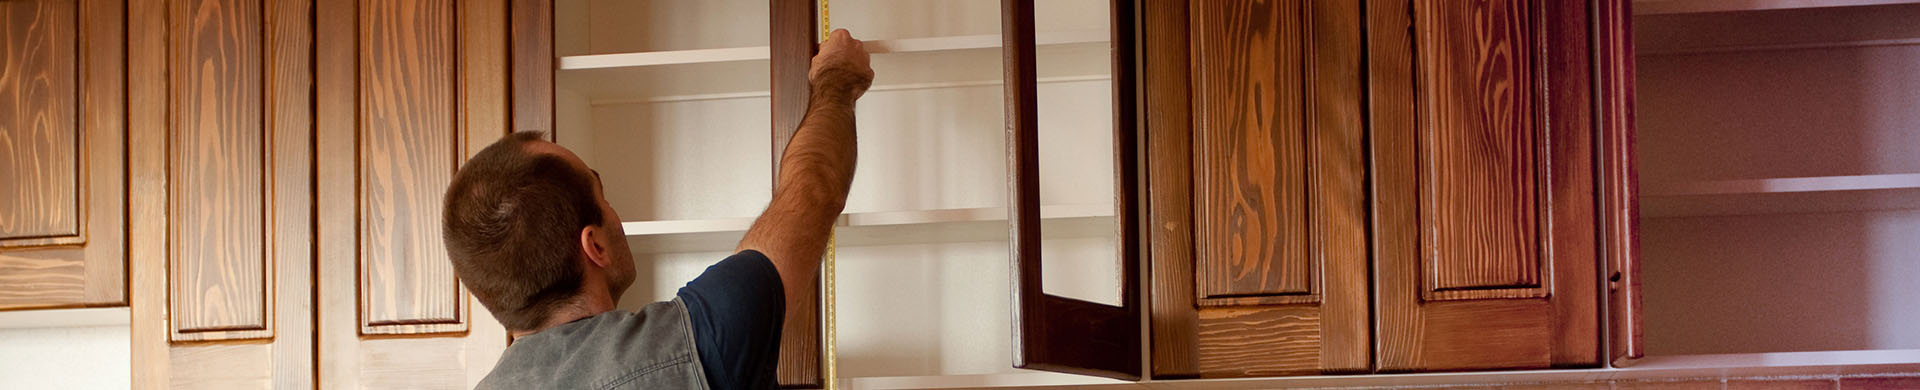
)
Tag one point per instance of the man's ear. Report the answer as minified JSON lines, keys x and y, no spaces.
{"x":595,"y":250}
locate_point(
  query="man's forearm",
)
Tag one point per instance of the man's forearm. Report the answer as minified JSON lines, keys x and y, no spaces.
{"x":816,"y":172}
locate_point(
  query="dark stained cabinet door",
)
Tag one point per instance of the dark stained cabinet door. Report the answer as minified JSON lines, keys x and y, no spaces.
{"x":1257,"y":188}
{"x":1483,"y":171}
{"x":63,"y":151}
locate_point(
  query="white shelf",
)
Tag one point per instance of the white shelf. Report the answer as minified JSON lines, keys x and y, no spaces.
{"x":903,"y":64}
{"x":1790,"y":184}
{"x":877,"y":228}
{"x":1796,"y":195}
{"x":64,"y":318}
{"x":885,"y":46}
{"x":1658,"y":7}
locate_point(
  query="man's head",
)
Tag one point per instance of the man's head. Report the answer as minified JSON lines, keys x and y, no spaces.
{"x":528,"y":230}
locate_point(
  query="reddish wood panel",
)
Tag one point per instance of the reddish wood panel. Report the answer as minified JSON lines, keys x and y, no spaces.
{"x":63,"y":152}
{"x":1478,"y":125}
{"x":1802,"y":384}
{"x":1249,"y":129}
{"x":409,"y":145}
{"x":1259,"y":341}
{"x":1173,"y":321}
{"x":217,"y":171}
{"x":1887,"y":383}
{"x":39,"y":121}
{"x":793,"y":29}
{"x":532,"y":68}
{"x":1620,"y":208}
{"x":1502,"y":323}
{"x":1322,"y":325}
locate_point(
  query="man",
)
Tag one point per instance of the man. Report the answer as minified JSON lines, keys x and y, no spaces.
{"x":532,"y":236}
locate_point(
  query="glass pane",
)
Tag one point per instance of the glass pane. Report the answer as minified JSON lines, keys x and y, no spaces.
{"x":1080,"y":257}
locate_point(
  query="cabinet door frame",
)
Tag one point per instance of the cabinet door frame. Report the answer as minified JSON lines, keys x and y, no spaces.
{"x":1055,"y":333}
{"x":793,"y":28}
{"x":1619,"y":183}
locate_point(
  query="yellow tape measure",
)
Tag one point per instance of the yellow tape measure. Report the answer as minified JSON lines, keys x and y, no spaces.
{"x":832,"y":361}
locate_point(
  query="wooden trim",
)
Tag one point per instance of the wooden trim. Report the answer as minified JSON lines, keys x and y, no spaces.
{"x":793,"y":26}
{"x":1337,"y":185}
{"x":1050,"y":332}
{"x":1572,"y":230}
{"x":1619,"y":181}
{"x":531,"y":69}
{"x":1174,"y":321}
{"x":146,"y":161}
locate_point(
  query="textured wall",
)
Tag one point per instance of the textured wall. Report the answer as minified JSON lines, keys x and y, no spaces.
{"x":65,"y":358}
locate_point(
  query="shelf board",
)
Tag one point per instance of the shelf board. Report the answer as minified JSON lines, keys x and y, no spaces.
{"x":65,"y":318}
{"x":884,"y":46}
{"x":1790,"y":184}
{"x":877,"y":228}
{"x":1659,"y":7}
{"x":1795,"y":195}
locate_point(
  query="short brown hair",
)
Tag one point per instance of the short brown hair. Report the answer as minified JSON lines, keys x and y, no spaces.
{"x":512,"y":226}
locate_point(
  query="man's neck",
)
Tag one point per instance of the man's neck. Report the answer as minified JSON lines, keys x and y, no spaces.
{"x":593,"y":300}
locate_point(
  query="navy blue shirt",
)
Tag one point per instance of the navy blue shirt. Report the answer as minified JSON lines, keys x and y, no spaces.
{"x":736,"y":308}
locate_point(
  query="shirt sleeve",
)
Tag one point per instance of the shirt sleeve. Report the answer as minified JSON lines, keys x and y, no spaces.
{"x":736,"y":308}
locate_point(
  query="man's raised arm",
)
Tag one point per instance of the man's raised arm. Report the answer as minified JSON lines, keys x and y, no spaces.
{"x":817,"y":168}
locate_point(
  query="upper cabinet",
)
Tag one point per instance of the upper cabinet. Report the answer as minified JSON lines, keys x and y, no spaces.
{"x":63,"y":154}
{"x":1483,"y":175}
{"x":1408,"y":187}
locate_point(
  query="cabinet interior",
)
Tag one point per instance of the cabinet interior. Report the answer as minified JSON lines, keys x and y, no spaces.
{"x":669,"y":101}
{"x":1777,"y":157}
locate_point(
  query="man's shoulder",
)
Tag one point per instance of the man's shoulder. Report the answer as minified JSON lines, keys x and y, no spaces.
{"x":651,"y":347}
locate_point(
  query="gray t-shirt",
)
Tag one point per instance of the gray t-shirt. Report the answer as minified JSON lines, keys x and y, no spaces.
{"x":650,"y":349}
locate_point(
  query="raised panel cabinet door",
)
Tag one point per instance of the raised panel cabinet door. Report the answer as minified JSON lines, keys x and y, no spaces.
{"x":63,"y":150}
{"x":406,"y":91}
{"x":222,"y":288}
{"x":1255,"y":107}
{"x":1483,"y":172}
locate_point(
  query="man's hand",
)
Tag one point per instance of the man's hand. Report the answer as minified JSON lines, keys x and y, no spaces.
{"x":842,"y":63}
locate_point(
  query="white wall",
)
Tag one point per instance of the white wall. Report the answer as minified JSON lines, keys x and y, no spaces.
{"x":66,"y":358}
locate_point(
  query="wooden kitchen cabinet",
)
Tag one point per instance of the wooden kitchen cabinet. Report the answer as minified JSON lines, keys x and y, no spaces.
{"x":63,"y":154}
{"x":1406,"y":188}
{"x":1483,"y":174}
{"x":290,"y":161}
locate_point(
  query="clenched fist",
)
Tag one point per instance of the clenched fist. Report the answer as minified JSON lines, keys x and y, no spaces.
{"x":841,"y":64}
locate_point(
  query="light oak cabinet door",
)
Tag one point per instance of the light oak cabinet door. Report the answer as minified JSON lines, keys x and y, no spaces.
{"x":63,"y":150}
{"x":407,"y":90}
{"x":1483,"y":172}
{"x":1257,"y":188}
{"x":223,"y":193}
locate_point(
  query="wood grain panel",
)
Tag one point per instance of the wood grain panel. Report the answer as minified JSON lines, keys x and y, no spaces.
{"x":39,"y":122}
{"x":409,"y":147}
{"x":1329,"y":165}
{"x":217,"y":265}
{"x":1249,"y":156}
{"x":793,"y":28}
{"x":1479,"y":122}
{"x":76,"y":152}
{"x":531,"y":41}
{"x":1173,"y":321}
{"x":1424,"y":328}
{"x":1259,"y":341}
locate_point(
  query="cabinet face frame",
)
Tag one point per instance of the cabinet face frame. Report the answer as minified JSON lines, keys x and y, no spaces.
{"x":793,"y":31}
{"x":1619,"y":182}
{"x":1055,"y":333}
